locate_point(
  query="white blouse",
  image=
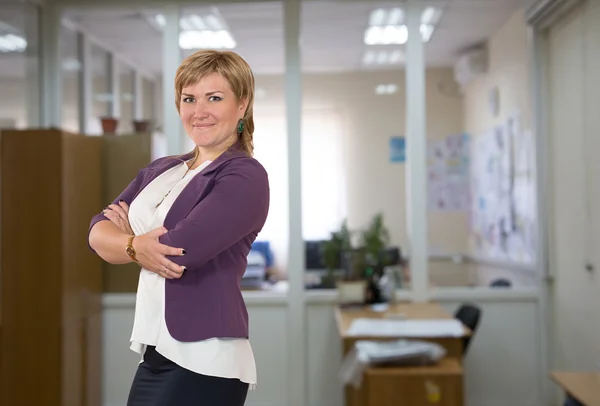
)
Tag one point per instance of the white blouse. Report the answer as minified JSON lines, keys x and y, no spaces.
{"x":221,"y":357}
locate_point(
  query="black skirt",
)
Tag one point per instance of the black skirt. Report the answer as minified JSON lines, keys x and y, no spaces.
{"x":161,"y":382}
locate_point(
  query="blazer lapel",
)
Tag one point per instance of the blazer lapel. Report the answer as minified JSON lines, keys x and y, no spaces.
{"x":155,"y":172}
{"x":198,"y":188}
{"x":226,"y":156}
{"x":195,"y":191}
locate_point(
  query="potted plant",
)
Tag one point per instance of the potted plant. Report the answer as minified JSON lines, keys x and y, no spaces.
{"x":352,"y":287}
{"x":375,"y":240}
{"x":332,"y":252}
{"x":339,"y":253}
{"x":109,"y":125}
{"x":360,"y":265}
{"x":141,"y":126}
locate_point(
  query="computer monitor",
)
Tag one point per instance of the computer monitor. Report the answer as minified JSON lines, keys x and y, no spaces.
{"x":313,"y":254}
{"x":264,"y":247}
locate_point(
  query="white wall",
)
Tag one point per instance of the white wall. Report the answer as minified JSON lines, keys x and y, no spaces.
{"x":508,"y":70}
{"x":12,"y":102}
{"x":574,"y":120}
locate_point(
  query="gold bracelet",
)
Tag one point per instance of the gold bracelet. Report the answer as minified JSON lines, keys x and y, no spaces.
{"x":130,"y":250}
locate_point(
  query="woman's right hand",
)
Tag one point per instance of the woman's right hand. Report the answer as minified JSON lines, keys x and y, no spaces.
{"x":152,"y":255}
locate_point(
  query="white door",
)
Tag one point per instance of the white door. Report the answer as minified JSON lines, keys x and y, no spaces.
{"x":574,"y":122}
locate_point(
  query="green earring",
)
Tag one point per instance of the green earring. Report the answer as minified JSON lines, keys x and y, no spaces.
{"x":240,"y":126}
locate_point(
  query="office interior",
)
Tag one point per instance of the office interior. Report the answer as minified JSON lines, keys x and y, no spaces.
{"x":475,"y":147}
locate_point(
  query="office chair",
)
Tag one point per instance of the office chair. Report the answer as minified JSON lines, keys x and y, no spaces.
{"x":500,"y":283}
{"x":469,"y":315}
{"x":571,"y":401}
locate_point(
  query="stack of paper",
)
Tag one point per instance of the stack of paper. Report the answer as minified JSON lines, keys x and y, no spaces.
{"x":406,"y":328}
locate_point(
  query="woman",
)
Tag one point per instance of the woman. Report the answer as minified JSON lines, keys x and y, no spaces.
{"x":189,"y":222}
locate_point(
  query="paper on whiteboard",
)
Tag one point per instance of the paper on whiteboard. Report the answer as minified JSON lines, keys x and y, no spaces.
{"x":406,"y":328}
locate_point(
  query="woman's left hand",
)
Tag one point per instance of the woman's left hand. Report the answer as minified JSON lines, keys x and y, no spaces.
{"x":119,"y":215}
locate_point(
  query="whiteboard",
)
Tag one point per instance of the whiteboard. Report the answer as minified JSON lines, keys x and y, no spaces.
{"x":503,"y":191}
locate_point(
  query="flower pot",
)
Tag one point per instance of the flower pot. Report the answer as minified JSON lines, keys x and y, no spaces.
{"x":141,"y":126}
{"x":109,"y":125}
{"x":352,"y":292}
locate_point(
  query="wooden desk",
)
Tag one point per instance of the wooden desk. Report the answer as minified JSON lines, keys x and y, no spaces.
{"x":414,"y":311}
{"x":345,"y":317}
{"x":384,"y":386}
{"x":583,"y":386}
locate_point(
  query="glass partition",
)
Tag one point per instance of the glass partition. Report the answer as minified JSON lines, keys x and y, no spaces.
{"x":481,"y":156}
{"x":353,"y":163}
{"x":101,"y":89}
{"x":149,"y":101}
{"x":19,"y":66}
{"x":122,"y":40}
{"x":71,"y":68}
{"x":126,"y":94}
{"x":448,"y":158}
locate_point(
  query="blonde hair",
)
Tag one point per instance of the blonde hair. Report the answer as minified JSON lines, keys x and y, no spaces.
{"x":235,"y":70}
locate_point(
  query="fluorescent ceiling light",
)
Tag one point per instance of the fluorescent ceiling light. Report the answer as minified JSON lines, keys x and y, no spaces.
{"x":369,"y":58}
{"x":71,"y":65}
{"x":386,"y":35}
{"x":206,"y":39}
{"x":426,"y":32}
{"x":395,"y":57}
{"x":382,"y":57}
{"x":387,"y":27}
{"x":214,"y":22}
{"x":394,"y":35}
{"x":431,"y":16}
{"x":103,"y":97}
{"x":386,"y":89}
{"x":197,"y":23}
{"x":160,"y":21}
{"x":377,"y":17}
{"x":12,"y":43}
{"x":194,"y":22}
{"x":187,"y":24}
{"x":200,"y":32}
{"x":395,"y":16}
{"x":380,"y":16}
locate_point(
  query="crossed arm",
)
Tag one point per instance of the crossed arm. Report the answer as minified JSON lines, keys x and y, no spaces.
{"x":236,"y":207}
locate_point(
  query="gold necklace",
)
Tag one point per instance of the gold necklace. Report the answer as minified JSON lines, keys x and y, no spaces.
{"x":186,"y":172}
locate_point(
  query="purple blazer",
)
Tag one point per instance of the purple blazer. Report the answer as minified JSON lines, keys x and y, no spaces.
{"x":215,"y":219}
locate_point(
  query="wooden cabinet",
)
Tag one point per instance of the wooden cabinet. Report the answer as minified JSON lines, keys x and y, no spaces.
{"x":123,"y":157}
{"x":51,"y":283}
{"x":440,"y":384}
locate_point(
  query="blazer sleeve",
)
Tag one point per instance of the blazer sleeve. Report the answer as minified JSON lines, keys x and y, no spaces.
{"x":126,"y":195}
{"x":236,"y":207}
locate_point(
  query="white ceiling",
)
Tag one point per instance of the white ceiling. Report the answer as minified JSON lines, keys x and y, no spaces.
{"x":331,"y":32}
